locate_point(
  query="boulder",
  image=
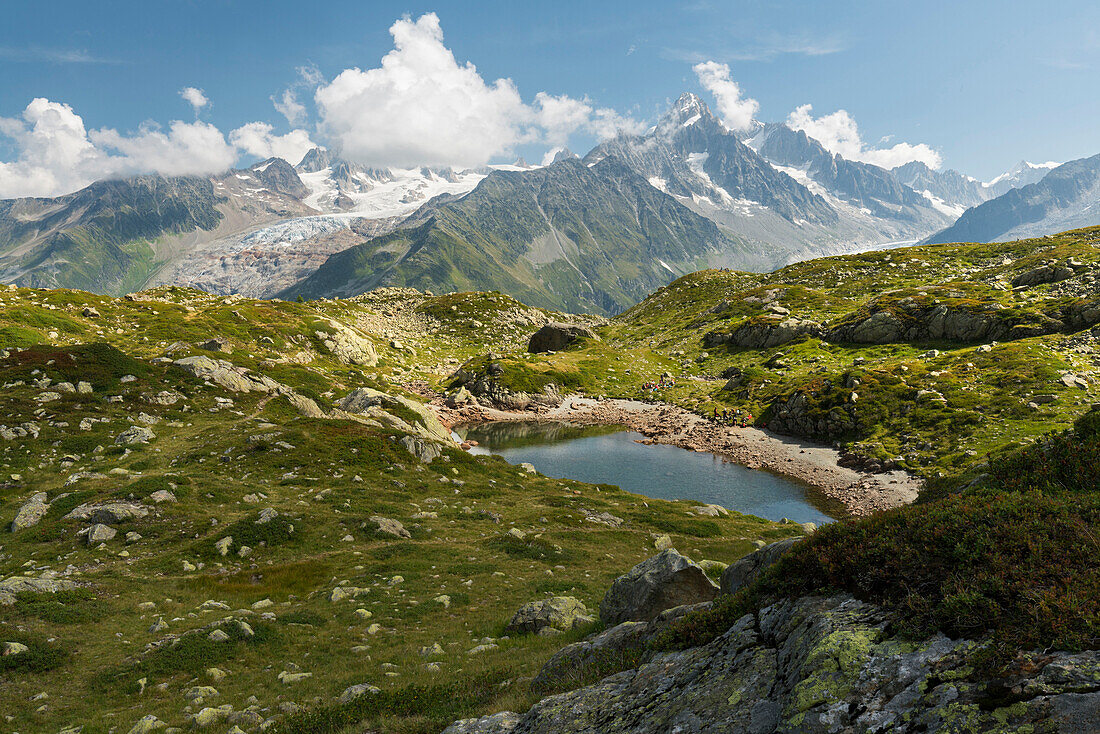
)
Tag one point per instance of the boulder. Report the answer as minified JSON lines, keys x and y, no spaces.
{"x":32,"y":511}
{"x":13,"y":648}
{"x":226,"y":375}
{"x":353,"y":692}
{"x":108,"y":513}
{"x":1042,"y":274}
{"x":217,"y":344}
{"x":555,"y":337}
{"x":560,"y":613}
{"x":305,"y":406}
{"x":147,"y":725}
{"x":662,"y":582}
{"x":133,"y":435}
{"x":743,"y":572}
{"x":100,"y":533}
{"x":388,"y":526}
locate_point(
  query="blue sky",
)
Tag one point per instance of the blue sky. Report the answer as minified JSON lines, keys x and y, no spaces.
{"x":983,"y":83}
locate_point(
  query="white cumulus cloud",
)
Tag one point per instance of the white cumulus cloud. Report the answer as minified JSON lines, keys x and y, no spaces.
{"x":55,"y":154}
{"x":259,"y":139}
{"x":194,"y":97}
{"x":839,"y":134}
{"x":737,"y":112}
{"x":422,"y":107}
{"x":289,"y":107}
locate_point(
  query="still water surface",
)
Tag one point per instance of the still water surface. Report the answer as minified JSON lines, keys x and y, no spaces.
{"x":611,"y":455}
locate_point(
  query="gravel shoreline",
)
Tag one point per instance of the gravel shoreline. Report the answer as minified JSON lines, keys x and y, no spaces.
{"x":858,"y":492}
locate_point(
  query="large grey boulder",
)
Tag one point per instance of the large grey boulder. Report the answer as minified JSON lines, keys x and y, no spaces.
{"x":740,"y":574}
{"x":108,"y":513}
{"x":100,"y":533}
{"x":560,"y":613}
{"x":133,"y":435}
{"x":1043,"y":274}
{"x":32,"y":511}
{"x":389,"y":526}
{"x":662,"y":582}
{"x":555,"y":337}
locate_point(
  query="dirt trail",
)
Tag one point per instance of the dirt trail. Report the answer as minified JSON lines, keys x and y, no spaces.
{"x":859,"y":493}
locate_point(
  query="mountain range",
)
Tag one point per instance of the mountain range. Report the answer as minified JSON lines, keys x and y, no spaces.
{"x":591,"y":233}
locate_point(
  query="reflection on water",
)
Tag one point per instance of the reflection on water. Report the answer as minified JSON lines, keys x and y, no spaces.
{"x":611,"y":455}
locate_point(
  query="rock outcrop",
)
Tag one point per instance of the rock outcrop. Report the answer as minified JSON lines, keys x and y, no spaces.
{"x":662,"y":582}
{"x":555,"y":337}
{"x":765,"y":333}
{"x":373,"y":403}
{"x":818,"y":666}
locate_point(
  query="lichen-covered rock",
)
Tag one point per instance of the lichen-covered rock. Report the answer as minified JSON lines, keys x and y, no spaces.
{"x":108,"y":513}
{"x":32,"y":511}
{"x":366,"y":401}
{"x":135,"y":434}
{"x":556,"y":336}
{"x":226,"y":375}
{"x":14,"y":585}
{"x":662,"y":582}
{"x":561,"y":613}
{"x":388,"y":526}
{"x":347,"y":345}
{"x":499,"y":723}
{"x":744,"y":571}
{"x":819,"y":666}
{"x":100,"y":533}
{"x":425,"y":451}
{"x":766,"y":333}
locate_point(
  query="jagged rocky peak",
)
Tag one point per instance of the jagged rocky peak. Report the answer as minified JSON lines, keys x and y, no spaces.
{"x":563,"y":155}
{"x":315,"y":160}
{"x":687,"y":111}
{"x":279,"y":176}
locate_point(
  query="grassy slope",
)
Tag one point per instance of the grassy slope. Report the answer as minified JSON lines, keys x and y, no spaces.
{"x":326,"y":477}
